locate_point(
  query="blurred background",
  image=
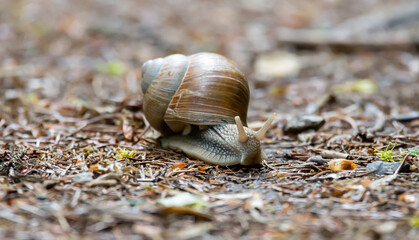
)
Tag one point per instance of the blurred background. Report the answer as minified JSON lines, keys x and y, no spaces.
{"x":70,"y":103}
{"x":72,"y":55}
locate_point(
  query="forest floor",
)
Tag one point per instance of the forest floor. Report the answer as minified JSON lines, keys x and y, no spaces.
{"x":75,"y":164}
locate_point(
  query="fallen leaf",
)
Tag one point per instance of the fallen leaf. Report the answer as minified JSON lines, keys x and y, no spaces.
{"x":130,"y":169}
{"x":277,"y":174}
{"x":185,"y":210}
{"x":95,"y":168}
{"x":408,"y":198}
{"x":332,"y":154}
{"x":180,"y":166}
{"x":200,"y":168}
{"x":182,"y":199}
{"x":338,"y":165}
{"x":104,"y":183}
{"x":127,"y":130}
{"x":216,"y":182}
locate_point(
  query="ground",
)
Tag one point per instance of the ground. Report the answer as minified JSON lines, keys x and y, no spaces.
{"x":76,"y":162}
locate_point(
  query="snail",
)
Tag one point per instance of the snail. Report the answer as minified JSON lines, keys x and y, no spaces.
{"x":199,"y":104}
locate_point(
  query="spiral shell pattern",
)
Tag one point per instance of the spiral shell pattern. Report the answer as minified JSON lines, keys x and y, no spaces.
{"x":201,"y":89}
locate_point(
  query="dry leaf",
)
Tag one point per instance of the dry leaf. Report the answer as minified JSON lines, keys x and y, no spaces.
{"x":200,"y":168}
{"x":338,"y":165}
{"x":104,"y":183}
{"x":182,"y":199}
{"x":332,"y":154}
{"x":95,"y":168}
{"x":127,"y":129}
{"x":408,"y":198}
{"x":216,"y":182}
{"x":130,"y":169}
{"x":180,"y":166}
{"x":277,"y":174}
{"x":185,"y":210}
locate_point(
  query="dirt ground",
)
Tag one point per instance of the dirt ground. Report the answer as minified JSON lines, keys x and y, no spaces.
{"x":76,"y":162}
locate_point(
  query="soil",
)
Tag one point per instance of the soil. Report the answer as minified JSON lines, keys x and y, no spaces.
{"x":78,"y":160}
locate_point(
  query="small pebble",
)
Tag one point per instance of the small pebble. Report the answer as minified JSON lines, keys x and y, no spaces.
{"x":304,"y":123}
{"x":384,"y":168}
{"x":83,"y":177}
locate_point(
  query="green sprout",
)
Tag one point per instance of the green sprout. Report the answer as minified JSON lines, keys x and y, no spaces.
{"x":386,"y":155}
{"x":414,"y":152}
{"x":122,"y":153}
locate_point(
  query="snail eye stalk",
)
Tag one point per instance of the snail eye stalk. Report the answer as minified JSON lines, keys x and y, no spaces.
{"x":262,"y":131}
{"x":242,"y":134}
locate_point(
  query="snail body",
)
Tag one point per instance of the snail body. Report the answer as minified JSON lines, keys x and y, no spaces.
{"x":198,"y":103}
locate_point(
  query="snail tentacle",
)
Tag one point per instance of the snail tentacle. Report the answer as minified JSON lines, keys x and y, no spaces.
{"x":242,"y":135}
{"x":262,"y":131}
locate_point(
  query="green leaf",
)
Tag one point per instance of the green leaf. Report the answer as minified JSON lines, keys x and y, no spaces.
{"x":414,"y":152}
{"x":122,"y":153}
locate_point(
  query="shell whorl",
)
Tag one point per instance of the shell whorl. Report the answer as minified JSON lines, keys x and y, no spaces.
{"x":201,"y":89}
{"x":149,"y":72}
{"x":152,"y":68}
{"x":161,"y":79}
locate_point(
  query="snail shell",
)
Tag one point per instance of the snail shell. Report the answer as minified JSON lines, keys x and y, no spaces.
{"x":198,"y":103}
{"x":202,"y":89}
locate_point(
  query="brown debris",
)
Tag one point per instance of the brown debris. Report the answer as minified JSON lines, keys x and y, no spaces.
{"x":78,"y":160}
